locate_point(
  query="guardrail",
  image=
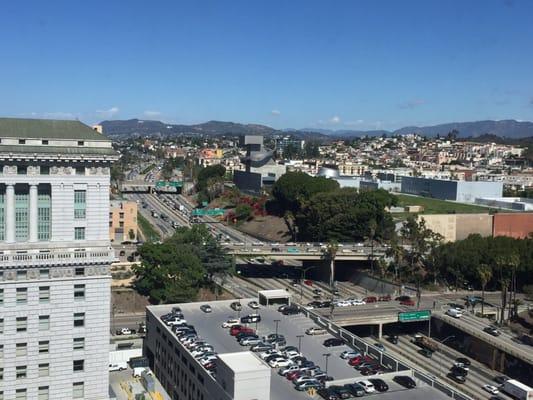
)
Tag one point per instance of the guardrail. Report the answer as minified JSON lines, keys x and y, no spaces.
{"x":506,"y":347}
{"x":385,"y":359}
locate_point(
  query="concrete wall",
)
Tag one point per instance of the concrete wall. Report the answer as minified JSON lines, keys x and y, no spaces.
{"x":443,"y":224}
{"x":467,"y":224}
{"x":517,"y":225}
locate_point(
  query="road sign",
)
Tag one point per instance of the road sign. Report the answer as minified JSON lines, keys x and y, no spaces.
{"x":175,"y":184}
{"x":213,"y":212}
{"x":413,"y":316}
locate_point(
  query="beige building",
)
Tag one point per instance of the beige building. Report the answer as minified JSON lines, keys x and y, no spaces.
{"x":123,"y":221}
{"x":459,"y":226}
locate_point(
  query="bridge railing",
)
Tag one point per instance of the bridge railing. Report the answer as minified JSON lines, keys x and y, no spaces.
{"x":384,"y":358}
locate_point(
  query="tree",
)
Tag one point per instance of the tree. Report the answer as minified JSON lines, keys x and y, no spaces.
{"x":311,"y":149}
{"x":329,"y":254}
{"x":485,"y":275}
{"x":212,"y":171}
{"x":243,"y":211}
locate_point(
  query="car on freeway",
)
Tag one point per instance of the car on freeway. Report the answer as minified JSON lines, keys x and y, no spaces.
{"x":384,"y":298}
{"x":292,"y":250}
{"x":460,"y":365}
{"x":379,"y":384}
{"x":333,"y":342}
{"x":356,"y":389}
{"x":308,"y":282}
{"x":230,"y":322}
{"x":454,"y":312}
{"x":236,"y":306}
{"x":491,"y":330}
{"x":426,"y":352}
{"x":405,"y":381}
{"x":206,"y":308}
{"x":393,"y":339}
{"x":402,"y":298}
{"x":500,"y":379}
{"x":491,"y":389}
{"x":254,"y":305}
{"x":347,"y":354}
{"x":409,"y":302}
{"x":370,"y":299}
{"x":379,"y":346}
{"x":459,"y":371}
{"x":463,"y":360}
{"x":367,"y":386}
{"x":308,"y":385}
{"x":356,"y":302}
{"x":457,"y":378}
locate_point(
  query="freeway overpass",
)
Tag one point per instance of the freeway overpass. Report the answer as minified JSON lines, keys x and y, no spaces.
{"x":301,"y":252}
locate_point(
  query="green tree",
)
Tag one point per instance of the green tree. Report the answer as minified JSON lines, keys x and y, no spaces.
{"x":484,"y":273}
{"x":212,"y":171}
{"x":243,"y":211}
{"x":329,"y":254}
{"x":311,"y":149}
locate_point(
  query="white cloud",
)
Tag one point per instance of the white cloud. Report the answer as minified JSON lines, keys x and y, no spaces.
{"x":275,"y":112}
{"x":335,"y":120}
{"x":152,"y":114}
{"x":108,"y":113}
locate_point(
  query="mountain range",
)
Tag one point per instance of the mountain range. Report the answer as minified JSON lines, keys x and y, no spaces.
{"x":511,"y":129}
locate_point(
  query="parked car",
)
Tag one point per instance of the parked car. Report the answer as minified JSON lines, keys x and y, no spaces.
{"x":333,"y":342}
{"x":236,"y":306}
{"x":308,"y":385}
{"x":356,"y":389}
{"x":405,"y":381}
{"x":347,"y":354}
{"x":290,"y":310}
{"x":367,"y":386}
{"x":236,"y":329}
{"x":328,"y":394}
{"x":254,"y":305}
{"x":261,"y":347}
{"x":206,"y":308}
{"x":250,"y":319}
{"x":230,"y":322}
{"x":315,"y":331}
{"x":341,"y":391}
{"x":379,"y":384}
{"x":285,"y":370}
{"x":121,"y":366}
{"x":249,"y":341}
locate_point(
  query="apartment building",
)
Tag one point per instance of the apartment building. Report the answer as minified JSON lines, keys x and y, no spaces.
{"x":54,"y":260}
{"x":123,"y":221}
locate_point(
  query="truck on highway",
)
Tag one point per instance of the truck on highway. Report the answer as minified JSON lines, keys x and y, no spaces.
{"x":517,"y":390}
{"x":425,"y":342}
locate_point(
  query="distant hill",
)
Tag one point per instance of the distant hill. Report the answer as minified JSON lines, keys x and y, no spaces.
{"x":510,"y":129}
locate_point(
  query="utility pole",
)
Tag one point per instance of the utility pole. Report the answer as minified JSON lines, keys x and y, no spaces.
{"x":300,"y":342}
{"x":326,"y":355}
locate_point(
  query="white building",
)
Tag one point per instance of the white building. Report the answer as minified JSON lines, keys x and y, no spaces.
{"x":54,"y":260}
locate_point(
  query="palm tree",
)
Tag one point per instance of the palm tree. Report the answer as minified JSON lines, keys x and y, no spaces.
{"x":485,"y":275}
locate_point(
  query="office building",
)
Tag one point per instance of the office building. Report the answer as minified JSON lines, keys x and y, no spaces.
{"x":123,"y":221}
{"x":55,"y":256}
{"x":461,"y":191}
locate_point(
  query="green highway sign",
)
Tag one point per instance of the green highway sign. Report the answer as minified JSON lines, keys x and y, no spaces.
{"x":213,"y":212}
{"x":175,"y":184}
{"x":413,"y":316}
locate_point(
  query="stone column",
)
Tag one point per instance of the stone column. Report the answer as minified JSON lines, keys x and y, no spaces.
{"x":10,"y":213}
{"x":33,"y":212}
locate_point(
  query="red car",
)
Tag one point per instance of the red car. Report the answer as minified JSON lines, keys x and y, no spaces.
{"x":408,"y":302}
{"x":384,"y":298}
{"x":370,"y":299}
{"x":235,"y":330}
{"x":293,"y":375}
{"x":359,"y":359}
{"x":308,"y":282}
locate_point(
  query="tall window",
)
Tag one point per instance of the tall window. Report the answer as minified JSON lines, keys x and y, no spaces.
{"x":20,"y":394}
{"x":43,"y":393}
{"x":22,"y":295}
{"x":78,"y":390}
{"x":79,"y":233}
{"x":44,"y":370}
{"x":79,"y":204}
{"x":79,"y":292}
{"x":22,"y":324}
{"x":2,"y":215}
{"x":21,"y":349}
{"x":21,"y":217}
{"x":21,"y":372}
{"x":44,"y":294}
{"x":44,"y":322}
{"x":43,"y":214}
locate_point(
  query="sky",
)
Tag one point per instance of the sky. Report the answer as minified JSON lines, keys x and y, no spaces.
{"x":334,"y":64}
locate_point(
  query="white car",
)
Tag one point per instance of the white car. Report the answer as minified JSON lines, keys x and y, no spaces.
{"x":118,"y":367}
{"x":491,"y":389}
{"x":290,"y":368}
{"x":315,"y":331}
{"x":176,"y":321}
{"x":357,"y":302}
{"x":207,"y":360}
{"x":292,"y":354}
{"x":454,"y":312}
{"x":230,"y":322}
{"x":347,"y":354}
{"x":368,"y":386}
{"x":265,"y":354}
{"x":279,"y":362}
{"x":343,"y":303}
{"x":254,"y":305}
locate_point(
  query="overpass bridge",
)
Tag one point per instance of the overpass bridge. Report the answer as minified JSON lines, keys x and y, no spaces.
{"x":302,"y":252}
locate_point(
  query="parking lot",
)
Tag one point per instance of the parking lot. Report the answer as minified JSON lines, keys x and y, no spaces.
{"x":208,"y":326}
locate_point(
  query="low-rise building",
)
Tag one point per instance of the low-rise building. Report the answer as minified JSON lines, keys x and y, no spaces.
{"x":122,"y":221}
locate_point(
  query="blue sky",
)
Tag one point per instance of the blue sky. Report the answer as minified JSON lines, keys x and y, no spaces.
{"x":288,"y":64}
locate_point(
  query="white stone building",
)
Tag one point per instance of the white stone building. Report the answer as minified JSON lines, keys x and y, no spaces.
{"x":54,"y":260}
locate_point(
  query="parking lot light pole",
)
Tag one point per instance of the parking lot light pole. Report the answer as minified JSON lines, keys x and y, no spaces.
{"x":300,"y":342}
{"x":276,"y":321}
{"x":326,"y":355}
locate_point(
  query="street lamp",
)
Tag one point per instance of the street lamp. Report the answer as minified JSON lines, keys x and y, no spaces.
{"x":300,"y":342}
{"x":304,"y":270}
{"x":326,"y":355}
{"x":276,"y":321}
{"x":442,"y":342}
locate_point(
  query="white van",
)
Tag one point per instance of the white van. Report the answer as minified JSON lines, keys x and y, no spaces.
{"x":118,"y":366}
{"x":453,"y":312}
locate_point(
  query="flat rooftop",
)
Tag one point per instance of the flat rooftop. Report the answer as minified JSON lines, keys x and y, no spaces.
{"x":243,"y":361}
{"x":209,"y":328}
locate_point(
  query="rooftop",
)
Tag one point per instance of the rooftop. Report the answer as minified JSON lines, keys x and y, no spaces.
{"x":242,"y":361}
{"x":47,"y":128}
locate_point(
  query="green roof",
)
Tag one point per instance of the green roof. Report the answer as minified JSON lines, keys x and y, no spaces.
{"x":47,"y":129}
{"x":18,"y":149}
